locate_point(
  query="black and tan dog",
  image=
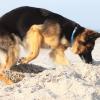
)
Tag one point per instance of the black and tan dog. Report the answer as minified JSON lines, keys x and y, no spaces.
{"x":36,"y":27}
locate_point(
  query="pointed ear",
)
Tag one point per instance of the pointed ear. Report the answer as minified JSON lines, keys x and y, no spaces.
{"x":94,"y":36}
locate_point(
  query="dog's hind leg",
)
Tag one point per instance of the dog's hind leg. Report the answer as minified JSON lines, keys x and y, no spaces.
{"x":3,"y":59}
{"x":58,"y":55}
{"x":8,"y":58}
{"x":32,"y":43}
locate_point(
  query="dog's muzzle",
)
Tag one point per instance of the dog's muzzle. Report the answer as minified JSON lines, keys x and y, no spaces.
{"x":86,"y":57}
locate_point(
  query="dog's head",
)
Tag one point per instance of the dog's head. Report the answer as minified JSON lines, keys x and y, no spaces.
{"x":84,"y":44}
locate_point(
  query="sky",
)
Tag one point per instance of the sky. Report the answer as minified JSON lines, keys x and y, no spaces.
{"x":84,"y":12}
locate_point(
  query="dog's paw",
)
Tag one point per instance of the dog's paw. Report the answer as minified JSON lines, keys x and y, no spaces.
{"x":22,"y":60}
{"x":5,"y":79}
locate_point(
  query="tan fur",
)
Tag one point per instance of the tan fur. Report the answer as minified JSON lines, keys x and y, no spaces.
{"x":58,"y":55}
{"x":51,"y":35}
{"x":77,"y":47}
{"x":5,"y":79}
{"x":52,"y":41}
{"x":8,"y":59}
{"x":36,"y":37}
{"x":33,"y":41}
{"x":65,"y":42}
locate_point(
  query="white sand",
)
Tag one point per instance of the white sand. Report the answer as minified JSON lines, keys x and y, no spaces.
{"x":77,"y":82}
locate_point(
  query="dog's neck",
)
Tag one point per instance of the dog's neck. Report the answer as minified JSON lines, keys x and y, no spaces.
{"x":76,"y":31}
{"x":73,"y":33}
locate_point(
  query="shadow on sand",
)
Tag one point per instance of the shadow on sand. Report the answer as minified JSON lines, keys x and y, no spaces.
{"x":16,"y":73}
{"x":28,"y":68}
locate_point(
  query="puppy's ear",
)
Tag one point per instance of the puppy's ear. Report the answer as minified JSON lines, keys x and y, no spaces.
{"x":96,"y":35}
{"x":93,"y":37}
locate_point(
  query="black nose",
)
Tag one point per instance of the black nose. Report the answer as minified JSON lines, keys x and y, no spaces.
{"x":86,"y":57}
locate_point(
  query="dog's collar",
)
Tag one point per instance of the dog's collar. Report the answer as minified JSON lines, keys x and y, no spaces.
{"x":73,"y":33}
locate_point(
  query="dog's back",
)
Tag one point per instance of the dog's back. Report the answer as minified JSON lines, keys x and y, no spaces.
{"x":19,"y":20}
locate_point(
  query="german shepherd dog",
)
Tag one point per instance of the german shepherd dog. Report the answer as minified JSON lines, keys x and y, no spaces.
{"x":35,"y":28}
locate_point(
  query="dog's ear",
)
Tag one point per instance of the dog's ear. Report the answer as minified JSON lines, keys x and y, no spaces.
{"x":93,"y":37}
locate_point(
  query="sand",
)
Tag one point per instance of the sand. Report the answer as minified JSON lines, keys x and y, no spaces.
{"x":44,"y":80}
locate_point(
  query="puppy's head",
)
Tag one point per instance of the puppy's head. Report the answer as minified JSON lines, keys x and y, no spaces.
{"x":84,"y":44}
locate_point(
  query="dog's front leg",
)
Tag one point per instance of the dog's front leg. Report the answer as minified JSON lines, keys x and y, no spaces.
{"x":58,"y":55}
{"x":3,"y":77}
{"x":33,"y":44}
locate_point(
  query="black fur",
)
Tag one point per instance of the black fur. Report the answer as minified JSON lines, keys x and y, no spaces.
{"x":19,"y":20}
{"x":87,"y":57}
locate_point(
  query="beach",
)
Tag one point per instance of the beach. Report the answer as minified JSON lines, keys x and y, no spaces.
{"x":45,"y":80}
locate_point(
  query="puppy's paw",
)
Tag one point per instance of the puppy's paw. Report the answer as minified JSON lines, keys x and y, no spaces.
{"x":22,"y":60}
{"x":5,"y":79}
{"x":8,"y":82}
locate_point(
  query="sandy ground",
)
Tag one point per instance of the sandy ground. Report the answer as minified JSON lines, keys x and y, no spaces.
{"x":79,"y":81}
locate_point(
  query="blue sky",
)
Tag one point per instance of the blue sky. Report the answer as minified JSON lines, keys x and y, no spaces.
{"x":85,"y":12}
